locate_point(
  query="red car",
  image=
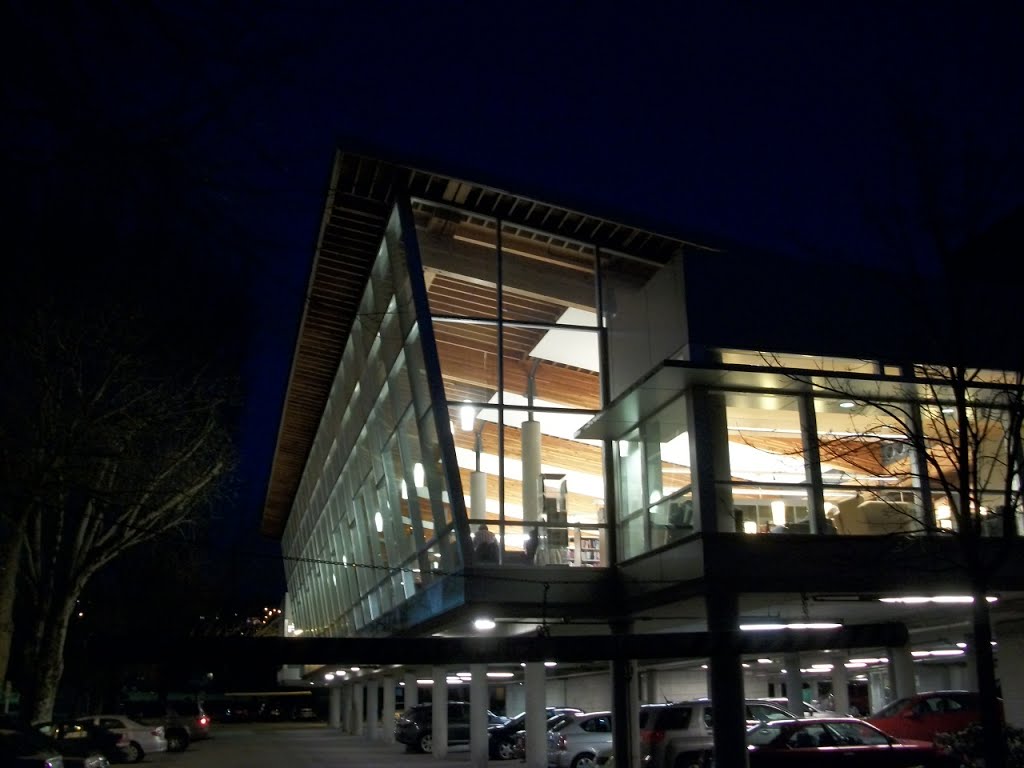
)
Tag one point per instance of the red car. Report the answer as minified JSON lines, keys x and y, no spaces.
{"x":821,"y":742}
{"x":923,"y":715}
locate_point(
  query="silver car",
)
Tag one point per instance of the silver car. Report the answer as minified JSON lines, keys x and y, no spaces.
{"x":575,"y":741}
{"x":141,"y":739}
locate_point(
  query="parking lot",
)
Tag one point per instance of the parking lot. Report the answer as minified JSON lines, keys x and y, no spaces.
{"x":267,"y":745}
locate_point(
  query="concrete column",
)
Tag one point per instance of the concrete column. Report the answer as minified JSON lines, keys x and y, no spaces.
{"x":439,"y":713}
{"x":901,"y":671}
{"x":1011,"y":669}
{"x":651,"y":692}
{"x":373,"y":709}
{"x":536,"y":701}
{"x":877,"y":683}
{"x":709,"y":451}
{"x":970,"y":665}
{"x":334,"y":707}
{"x":530,"y":438}
{"x":359,"y":710}
{"x":348,"y":711}
{"x":726,"y":671}
{"x":794,"y":684}
{"x":411,"y":690}
{"x":841,"y":687}
{"x":478,"y":705}
{"x":388,"y":716}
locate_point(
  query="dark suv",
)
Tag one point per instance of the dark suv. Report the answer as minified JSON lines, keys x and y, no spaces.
{"x":415,"y":726}
{"x":679,"y":735}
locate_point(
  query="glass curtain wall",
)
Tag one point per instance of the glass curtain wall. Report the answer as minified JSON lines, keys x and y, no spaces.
{"x":873,"y":464}
{"x":514,"y":316}
{"x":373,"y":519}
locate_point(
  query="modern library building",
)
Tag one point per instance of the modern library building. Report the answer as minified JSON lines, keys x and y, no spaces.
{"x":699,"y":470}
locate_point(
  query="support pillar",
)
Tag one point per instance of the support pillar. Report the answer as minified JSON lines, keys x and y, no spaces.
{"x":840,"y":687}
{"x":651,"y":692}
{"x":478,"y":705}
{"x":359,"y":710}
{"x":901,"y":672}
{"x":388,"y":715}
{"x":794,"y":684}
{"x":530,"y":438}
{"x":373,"y":710}
{"x":536,"y":701}
{"x":348,"y":711}
{"x":626,"y":705}
{"x":334,"y":707}
{"x":411,"y":690}
{"x":439,"y":714}
{"x":726,"y":677}
{"x":877,"y":685}
{"x":970,"y":665}
{"x":1011,"y":670}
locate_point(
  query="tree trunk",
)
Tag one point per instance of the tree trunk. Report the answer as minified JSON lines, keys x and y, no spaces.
{"x":991,"y":716}
{"x":47,"y":661}
{"x":10,"y":560}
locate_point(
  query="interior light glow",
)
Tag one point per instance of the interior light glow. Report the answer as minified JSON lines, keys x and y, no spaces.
{"x":405,"y":490}
{"x":454,"y":680}
{"x":501,"y":674}
{"x":750,"y":526}
{"x":378,"y":522}
{"x":865,"y":662}
{"x":467,"y":418}
{"x":623,"y":449}
{"x":354,"y":669}
{"x":821,"y":666}
{"x":329,"y":676}
{"x":550,"y":663}
{"x":948,"y":599}
{"x":484,"y":624}
{"x":425,"y":681}
{"x":854,"y":665}
{"x":764,"y":661}
{"x":779,"y":512}
{"x":847,"y":404}
{"x":418,"y":475}
{"x":791,"y":625}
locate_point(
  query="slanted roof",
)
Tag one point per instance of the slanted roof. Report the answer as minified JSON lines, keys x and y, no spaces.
{"x":362,"y":192}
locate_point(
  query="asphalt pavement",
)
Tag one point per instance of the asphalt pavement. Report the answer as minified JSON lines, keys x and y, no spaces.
{"x":296,"y":745}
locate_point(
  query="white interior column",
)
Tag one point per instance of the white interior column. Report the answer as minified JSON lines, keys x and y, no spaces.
{"x":388,"y":717}
{"x":439,"y":710}
{"x":334,"y":707}
{"x":348,"y":715}
{"x":794,"y":684}
{"x":651,"y":693}
{"x":359,"y":710}
{"x":536,"y":700}
{"x":970,"y":673}
{"x":372,"y":710}
{"x":841,"y":687}
{"x":411,"y":690}
{"x":478,"y":494}
{"x":901,"y":671}
{"x":530,"y":438}
{"x":877,"y":680}
{"x":478,"y":706}
{"x":1011,"y":669}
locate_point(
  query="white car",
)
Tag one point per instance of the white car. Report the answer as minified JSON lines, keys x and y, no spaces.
{"x":575,"y":741}
{"x":142,"y":739}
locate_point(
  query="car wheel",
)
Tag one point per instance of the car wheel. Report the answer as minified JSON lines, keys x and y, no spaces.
{"x":586,"y":760}
{"x":134,"y":752}
{"x":177,"y":740}
{"x":506,"y":750}
{"x":426,"y":743}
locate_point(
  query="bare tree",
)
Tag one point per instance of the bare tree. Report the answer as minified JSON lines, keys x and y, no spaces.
{"x":938,"y":452}
{"x":110,"y":448}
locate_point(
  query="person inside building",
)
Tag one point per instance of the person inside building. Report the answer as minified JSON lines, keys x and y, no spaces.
{"x":485,"y":547}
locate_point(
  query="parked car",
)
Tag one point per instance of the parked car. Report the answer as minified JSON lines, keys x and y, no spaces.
{"x":142,"y":739}
{"x":183,"y":722}
{"x":806,"y":708}
{"x":923,"y":715}
{"x":27,"y":748}
{"x":680,"y":733}
{"x":836,"y":741}
{"x":414,"y":727}
{"x":502,"y":737}
{"x":84,"y":740}
{"x":574,"y":741}
{"x":605,"y":758}
{"x":519,"y":748}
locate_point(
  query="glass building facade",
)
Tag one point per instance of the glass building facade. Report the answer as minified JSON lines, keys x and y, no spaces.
{"x":474,"y":390}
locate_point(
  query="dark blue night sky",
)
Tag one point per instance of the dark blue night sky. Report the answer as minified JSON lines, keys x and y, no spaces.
{"x":866,"y":132}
